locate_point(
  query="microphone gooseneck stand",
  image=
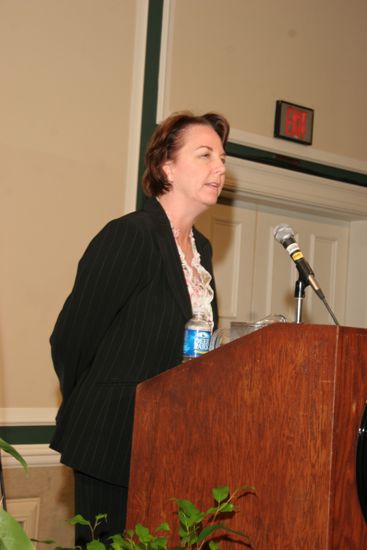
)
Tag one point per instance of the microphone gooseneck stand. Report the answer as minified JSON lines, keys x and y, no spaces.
{"x":284,"y":234}
{"x":299,"y":294}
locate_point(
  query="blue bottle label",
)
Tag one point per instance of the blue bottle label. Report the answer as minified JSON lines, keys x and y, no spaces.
{"x":196,"y":342}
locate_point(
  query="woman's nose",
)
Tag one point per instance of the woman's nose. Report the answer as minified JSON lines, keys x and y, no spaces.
{"x":220,"y":167}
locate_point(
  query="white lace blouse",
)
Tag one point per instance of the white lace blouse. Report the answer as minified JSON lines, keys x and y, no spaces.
{"x":198,"y":282}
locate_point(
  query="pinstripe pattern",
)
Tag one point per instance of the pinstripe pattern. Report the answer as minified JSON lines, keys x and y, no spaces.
{"x":93,"y":497}
{"x":122,"y":323}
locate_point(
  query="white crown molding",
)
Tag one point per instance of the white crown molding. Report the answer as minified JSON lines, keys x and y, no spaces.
{"x":27,"y":416}
{"x":296,"y":150}
{"x":136,"y":106}
{"x":255,"y":182}
{"x":39,"y":455}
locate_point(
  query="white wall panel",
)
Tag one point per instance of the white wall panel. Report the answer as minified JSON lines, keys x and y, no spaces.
{"x":232,"y":233}
{"x":356,"y":303}
{"x":324,"y":243}
{"x":256,"y":277}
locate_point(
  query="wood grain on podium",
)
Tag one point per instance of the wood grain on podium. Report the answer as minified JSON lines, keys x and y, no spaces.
{"x":278,"y":409}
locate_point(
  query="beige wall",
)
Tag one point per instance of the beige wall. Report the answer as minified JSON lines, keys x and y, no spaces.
{"x":66,"y":75}
{"x":66,"y":95}
{"x":239,"y":57}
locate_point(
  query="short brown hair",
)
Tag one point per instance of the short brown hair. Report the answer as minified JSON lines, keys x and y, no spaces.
{"x":167,"y":140}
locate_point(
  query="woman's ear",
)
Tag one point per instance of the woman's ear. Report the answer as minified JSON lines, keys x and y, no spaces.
{"x":167,"y":169}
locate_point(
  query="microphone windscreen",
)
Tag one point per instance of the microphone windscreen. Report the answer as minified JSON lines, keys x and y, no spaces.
{"x":282,"y":232}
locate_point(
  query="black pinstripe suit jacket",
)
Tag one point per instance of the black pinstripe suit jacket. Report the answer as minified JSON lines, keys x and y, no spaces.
{"x":122,"y":323}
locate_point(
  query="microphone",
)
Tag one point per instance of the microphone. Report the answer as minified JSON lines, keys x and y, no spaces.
{"x":284,"y":234}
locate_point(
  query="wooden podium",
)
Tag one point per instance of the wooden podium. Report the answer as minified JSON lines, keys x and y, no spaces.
{"x":279,"y":409}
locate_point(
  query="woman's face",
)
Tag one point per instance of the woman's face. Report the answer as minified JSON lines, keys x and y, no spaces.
{"x":197,"y":171}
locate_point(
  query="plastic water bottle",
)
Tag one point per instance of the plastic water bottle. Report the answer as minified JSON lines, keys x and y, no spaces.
{"x":196,"y":338}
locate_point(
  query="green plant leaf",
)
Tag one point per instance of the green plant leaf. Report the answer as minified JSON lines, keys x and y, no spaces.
{"x":159,"y":543}
{"x":182,"y":519}
{"x":7,"y":448}
{"x":211,"y":511}
{"x":182,"y":531}
{"x":220,"y":493}
{"x":119,"y":542}
{"x":143,"y":533}
{"x":187,"y":507}
{"x":229,"y":507}
{"x":213,"y":545}
{"x":100,"y":518}
{"x":95,"y":545}
{"x":12,"y":536}
{"x":79,"y":520}
{"x":188,"y":513}
{"x":117,"y":538}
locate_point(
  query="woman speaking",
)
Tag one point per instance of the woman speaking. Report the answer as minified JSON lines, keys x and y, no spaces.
{"x":139,"y":281}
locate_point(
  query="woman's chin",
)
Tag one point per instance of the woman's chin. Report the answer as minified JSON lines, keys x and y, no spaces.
{"x":211,"y":197}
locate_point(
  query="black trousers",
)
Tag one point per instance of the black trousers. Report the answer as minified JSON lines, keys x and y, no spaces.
{"x":93,"y":497}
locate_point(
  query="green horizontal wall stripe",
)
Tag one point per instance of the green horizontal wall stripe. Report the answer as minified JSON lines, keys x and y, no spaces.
{"x":24,"y":435}
{"x":298,"y":165}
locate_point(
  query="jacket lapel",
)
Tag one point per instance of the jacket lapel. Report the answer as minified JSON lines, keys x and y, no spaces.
{"x":170,"y":256}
